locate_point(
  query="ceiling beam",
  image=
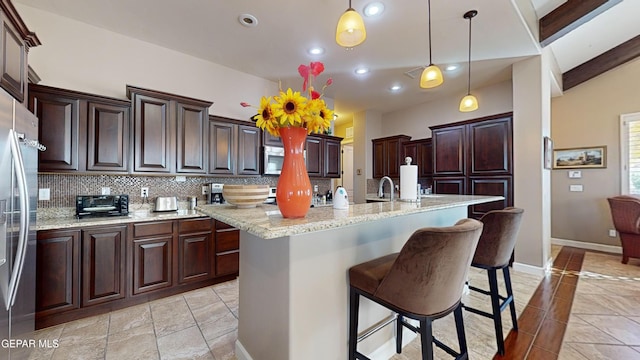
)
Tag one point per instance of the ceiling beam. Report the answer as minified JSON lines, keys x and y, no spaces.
{"x":617,"y":56}
{"x":569,"y":16}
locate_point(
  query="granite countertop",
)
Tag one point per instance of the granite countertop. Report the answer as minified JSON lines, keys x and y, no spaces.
{"x":266,"y":221}
{"x":137,"y":216}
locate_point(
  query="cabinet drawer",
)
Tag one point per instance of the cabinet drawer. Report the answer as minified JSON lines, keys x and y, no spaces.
{"x":221,"y":226}
{"x":227,"y":263}
{"x":194,"y":225}
{"x":152,"y":228}
{"x":227,"y":240}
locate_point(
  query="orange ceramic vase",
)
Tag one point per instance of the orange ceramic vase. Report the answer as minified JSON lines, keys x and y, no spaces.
{"x":293,"y":194}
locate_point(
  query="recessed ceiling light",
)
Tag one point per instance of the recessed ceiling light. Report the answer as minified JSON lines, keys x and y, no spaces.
{"x":248,"y":20}
{"x":395,"y":87}
{"x":362,"y":71}
{"x":373,"y":9}
{"x":451,"y":67}
{"x":316,"y":51}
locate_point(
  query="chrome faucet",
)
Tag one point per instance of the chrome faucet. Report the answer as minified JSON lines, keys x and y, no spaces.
{"x":381,"y":186}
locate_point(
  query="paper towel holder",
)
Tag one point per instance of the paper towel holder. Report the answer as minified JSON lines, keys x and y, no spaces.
{"x":408,"y":160}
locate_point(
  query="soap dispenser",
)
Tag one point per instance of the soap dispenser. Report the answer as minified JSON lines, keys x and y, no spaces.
{"x":341,"y":199}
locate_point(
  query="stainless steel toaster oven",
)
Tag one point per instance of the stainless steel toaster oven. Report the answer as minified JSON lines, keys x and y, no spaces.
{"x":102,"y":205}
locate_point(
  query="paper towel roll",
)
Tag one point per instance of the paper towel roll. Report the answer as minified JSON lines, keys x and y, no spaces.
{"x":408,"y":182}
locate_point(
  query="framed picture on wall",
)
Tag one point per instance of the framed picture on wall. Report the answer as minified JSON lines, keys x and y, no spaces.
{"x":548,"y":153}
{"x":580,"y":158}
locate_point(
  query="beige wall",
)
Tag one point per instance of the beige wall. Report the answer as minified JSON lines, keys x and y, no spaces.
{"x":588,"y":115}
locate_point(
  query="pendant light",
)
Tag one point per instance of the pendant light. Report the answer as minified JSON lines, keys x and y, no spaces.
{"x":350,"y":31}
{"x":431,"y":75}
{"x":469,"y":102}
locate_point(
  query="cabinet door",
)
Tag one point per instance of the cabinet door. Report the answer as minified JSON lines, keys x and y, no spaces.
{"x":394,"y":153}
{"x":449,"y":150}
{"x":152,"y":263}
{"x":379,"y":159}
{"x":332,"y":158}
{"x":425,"y":161}
{"x":227,"y":241}
{"x":498,"y":186}
{"x":60,"y":131}
{"x":411,"y":149}
{"x":270,"y":140}
{"x":153,"y":147}
{"x":490,"y":147}
{"x":192,"y":124}
{"x":195,"y":257}
{"x":57,"y":271}
{"x":108,"y":137}
{"x":455,"y":186}
{"x":103,"y":264}
{"x":221,"y":145}
{"x":248,"y":150}
{"x":13,"y":61}
{"x":314,"y":156}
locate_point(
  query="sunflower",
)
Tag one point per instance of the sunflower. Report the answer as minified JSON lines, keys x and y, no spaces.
{"x":289,"y":108}
{"x":265,"y":119}
{"x":318,"y":116}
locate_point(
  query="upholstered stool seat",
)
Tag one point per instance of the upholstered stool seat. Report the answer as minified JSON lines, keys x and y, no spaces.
{"x":424,"y":282}
{"x":625,"y":212}
{"x":493,"y":253}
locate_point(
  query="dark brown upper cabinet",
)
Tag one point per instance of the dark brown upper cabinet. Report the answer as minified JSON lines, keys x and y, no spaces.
{"x":420,"y":152}
{"x":169,"y":132}
{"x":388,"y":155}
{"x":234,"y":147}
{"x":15,"y":41}
{"x":82,"y":132}
{"x":323,"y":156}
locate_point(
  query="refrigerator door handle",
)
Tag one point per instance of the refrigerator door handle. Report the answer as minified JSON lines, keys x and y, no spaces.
{"x":24,"y":218}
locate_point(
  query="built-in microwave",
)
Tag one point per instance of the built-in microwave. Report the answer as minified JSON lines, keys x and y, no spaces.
{"x":273,"y":159}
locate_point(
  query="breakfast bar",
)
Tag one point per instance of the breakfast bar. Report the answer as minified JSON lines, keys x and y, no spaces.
{"x":293,"y":285}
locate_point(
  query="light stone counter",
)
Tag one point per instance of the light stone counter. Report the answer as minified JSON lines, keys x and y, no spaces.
{"x":265,"y":221}
{"x":294,"y":287}
{"x":138,"y":216}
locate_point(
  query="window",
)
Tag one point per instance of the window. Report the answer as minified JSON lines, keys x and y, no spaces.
{"x":630,"y":153}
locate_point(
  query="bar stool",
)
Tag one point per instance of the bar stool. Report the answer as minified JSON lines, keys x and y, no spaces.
{"x":493,"y":253}
{"x":424,"y":281}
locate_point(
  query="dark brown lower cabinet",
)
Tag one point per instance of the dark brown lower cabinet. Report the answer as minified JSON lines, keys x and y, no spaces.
{"x":196,"y":250}
{"x":57,"y":271}
{"x":498,"y":186}
{"x":449,"y":185}
{"x":103,"y":264}
{"x":152,"y":254}
{"x":96,"y":269}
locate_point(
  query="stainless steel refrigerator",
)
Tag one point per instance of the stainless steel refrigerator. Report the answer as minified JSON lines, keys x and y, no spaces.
{"x":18,"y":186}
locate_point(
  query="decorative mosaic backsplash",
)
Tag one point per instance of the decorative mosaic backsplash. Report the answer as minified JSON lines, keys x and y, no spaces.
{"x":64,"y":188}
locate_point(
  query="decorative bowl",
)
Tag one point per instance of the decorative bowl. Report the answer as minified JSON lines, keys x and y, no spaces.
{"x":245,"y":196}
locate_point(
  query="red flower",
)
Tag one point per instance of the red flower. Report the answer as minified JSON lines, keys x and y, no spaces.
{"x":316,"y":68}
{"x":244,"y":104}
{"x":315,"y":95}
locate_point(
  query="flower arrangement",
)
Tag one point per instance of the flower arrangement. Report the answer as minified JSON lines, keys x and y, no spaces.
{"x":292,"y":108}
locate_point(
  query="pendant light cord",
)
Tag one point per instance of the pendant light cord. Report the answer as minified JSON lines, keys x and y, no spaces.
{"x":469,"y":81}
{"x":429,"y":5}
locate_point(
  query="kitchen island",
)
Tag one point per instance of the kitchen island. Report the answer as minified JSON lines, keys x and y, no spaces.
{"x":293,"y":300}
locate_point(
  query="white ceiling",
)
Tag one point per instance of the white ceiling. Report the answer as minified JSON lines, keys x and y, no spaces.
{"x":396,"y":42}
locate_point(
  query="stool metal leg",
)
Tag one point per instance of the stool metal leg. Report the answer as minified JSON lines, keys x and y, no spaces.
{"x":462,"y":339}
{"x":495,"y":305}
{"x":426,"y":336}
{"x":512,"y":304}
{"x":354,"y":303}
{"x":399,"y":334}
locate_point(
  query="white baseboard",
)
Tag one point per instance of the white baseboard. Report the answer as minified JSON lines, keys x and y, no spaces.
{"x":530,"y":269}
{"x":588,"y":246}
{"x":241,"y":352}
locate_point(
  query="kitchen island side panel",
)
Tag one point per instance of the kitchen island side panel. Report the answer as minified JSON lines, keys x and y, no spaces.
{"x":294,"y":291}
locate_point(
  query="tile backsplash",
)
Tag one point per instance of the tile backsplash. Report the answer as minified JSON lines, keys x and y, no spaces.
{"x":64,"y":187}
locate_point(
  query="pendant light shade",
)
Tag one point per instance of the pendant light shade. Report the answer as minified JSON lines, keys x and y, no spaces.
{"x":431,"y":75}
{"x":350,"y":31}
{"x":469,"y":102}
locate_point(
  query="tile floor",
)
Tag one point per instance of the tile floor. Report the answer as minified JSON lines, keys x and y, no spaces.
{"x":585,"y":308}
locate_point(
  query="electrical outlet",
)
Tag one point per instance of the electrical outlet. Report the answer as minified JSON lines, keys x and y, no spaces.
{"x":612,"y":232}
{"x":44,"y":194}
{"x":315,"y":188}
{"x":106,"y":191}
{"x":144,"y":192}
{"x":205,"y":190}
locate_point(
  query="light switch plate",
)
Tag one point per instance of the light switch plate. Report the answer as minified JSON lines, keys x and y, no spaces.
{"x":181,"y":178}
{"x":575,"y":174}
{"x":575,"y":188}
{"x":44,"y":194}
